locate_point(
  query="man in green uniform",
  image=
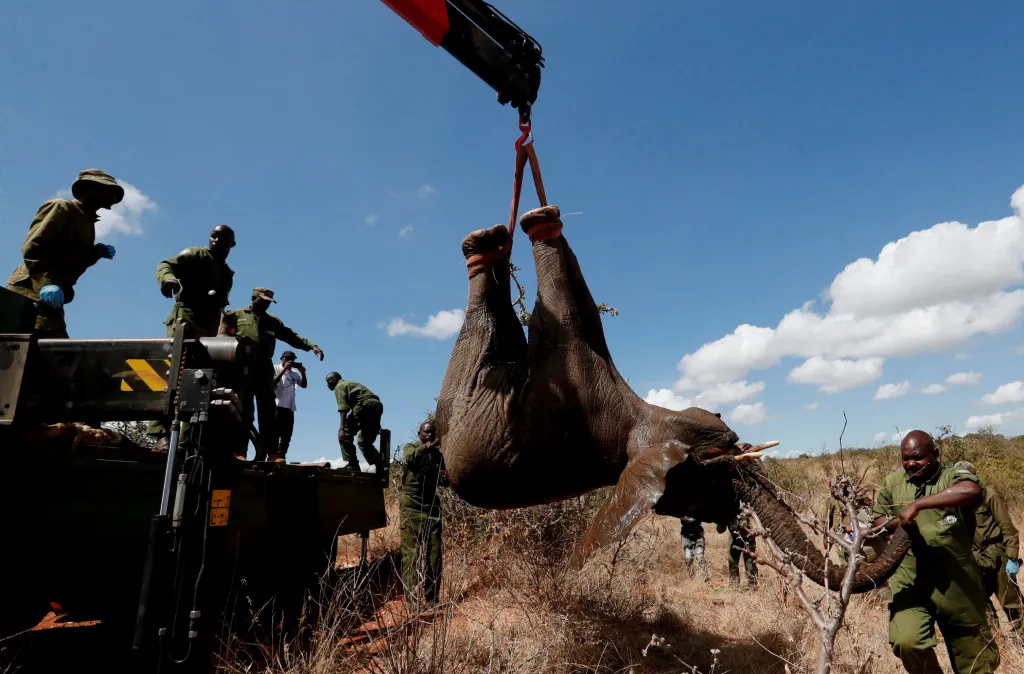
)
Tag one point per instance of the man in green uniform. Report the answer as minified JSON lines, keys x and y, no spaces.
{"x":263,"y":328}
{"x":60,"y":246}
{"x":360,"y":410}
{"x":420,"y":516}
{"x":200,"y":281}
{"x":997,"y":550}
{"x":741,"y":540}
{"x":938,"y":580}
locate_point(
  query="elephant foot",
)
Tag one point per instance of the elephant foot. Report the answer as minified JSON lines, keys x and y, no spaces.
{"x":485,"y":246}
{"x":542,"y":223}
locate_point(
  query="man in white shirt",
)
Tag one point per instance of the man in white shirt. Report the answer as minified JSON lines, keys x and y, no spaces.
{"x":287,"y":375}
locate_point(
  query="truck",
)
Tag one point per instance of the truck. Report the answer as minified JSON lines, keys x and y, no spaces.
{"x":142,"y":561}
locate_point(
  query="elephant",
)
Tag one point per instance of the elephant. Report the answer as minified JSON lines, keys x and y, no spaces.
{"x":528,"y":420}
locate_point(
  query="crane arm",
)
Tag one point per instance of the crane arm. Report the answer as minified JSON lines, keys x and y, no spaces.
{"x":485,"y":41}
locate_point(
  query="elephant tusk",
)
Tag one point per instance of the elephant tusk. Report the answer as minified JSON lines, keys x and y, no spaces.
{"x":749,"y":456}
{"x":763,"y":446}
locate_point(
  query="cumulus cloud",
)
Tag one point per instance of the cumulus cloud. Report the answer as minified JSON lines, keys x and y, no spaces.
{"x":371,"y":219}
{"x":1007,"y":393}
{"x":897,"y":437}
{"x":992,"y":420}
{"x":881,"y":437}
{"x":748,"y":414}
{"x":811,"y":406}
{"x":933,"y":389}
{"x":442,"y":325}
{"x":125,"y":217}
{"x":963,"y":378}
{"x":889,"y":391}
{"x":668,"y":399}
{"x":929,"y":291}
{"x":833,"y":376}
{"x":405,"y":231}
{"x":425,"y":192}
{"x":728,"y":392}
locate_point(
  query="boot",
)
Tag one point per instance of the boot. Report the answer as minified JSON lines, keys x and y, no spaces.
{"x":274,"y":457}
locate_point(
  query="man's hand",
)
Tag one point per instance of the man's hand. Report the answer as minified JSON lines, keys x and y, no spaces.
{"x":909,"y":514}
{"x":1012,"y":567}
{"x":170,"y":287}
{"x":302,"y":368}
{"x":317,"y":352}
{"x":105,"y":250}
{"x":341,"y":435}
{"x":52,"y":296}
{"x":287,"y":365}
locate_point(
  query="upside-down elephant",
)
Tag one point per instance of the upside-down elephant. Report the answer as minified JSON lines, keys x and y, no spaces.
{"x":530,"y":420}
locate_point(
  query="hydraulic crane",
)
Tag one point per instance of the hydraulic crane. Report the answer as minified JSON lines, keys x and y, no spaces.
{"x":484,"y":40}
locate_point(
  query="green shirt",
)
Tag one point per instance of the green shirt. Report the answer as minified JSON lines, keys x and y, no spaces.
{"x":422,"y":477}
{"x":59,"y":247}
{"x":199,"y":272}
{"x":995,"y":535}
{"x":940,"y":551}
{"x":351,"y":395}
{"x":265,"y":330}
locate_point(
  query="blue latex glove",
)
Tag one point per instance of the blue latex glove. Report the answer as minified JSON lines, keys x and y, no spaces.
{"x":52,"y":296}
{"x":105,"y":250}
{"x":1012,"y":567}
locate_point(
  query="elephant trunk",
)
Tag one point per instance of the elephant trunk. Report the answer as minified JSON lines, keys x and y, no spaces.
{"x":784,"y":528}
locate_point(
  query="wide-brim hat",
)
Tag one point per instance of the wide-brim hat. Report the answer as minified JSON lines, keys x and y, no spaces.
{"x":96,"y":176}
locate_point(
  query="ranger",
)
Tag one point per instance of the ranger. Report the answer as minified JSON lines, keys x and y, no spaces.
{"x":938,"y":581}
{"x":61,"y":245}
{"x":692,"y":533}
{"x":360,"y":411}
{"x":420,"y":516}
{"x":200,"y":281}
{"x":997,"y":550}
{"x":264,"y":328}
{"x":742,"y":545}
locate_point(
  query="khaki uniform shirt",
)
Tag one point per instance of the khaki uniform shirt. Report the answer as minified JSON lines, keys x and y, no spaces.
{"x":351,"y":395}
{"x":199,"y":272}
{"x":59,"y":247}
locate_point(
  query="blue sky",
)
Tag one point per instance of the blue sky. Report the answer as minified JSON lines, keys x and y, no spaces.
{"x":730,"y":160}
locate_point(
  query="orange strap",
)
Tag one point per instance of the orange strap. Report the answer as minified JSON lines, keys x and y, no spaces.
{"x":524,"y":152}
{"x":545,"y":230}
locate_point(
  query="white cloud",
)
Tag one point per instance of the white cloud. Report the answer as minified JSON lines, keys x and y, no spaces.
{"x":890,"y":391}
{"x":339,"y":462}
{"x":881,"y":437}
{"x":1007,"y":393}
{"x":963,"y":378}
{"x":371,"y":219}
{"x":933,"y":389}
{"x":728,"y":392}
{"x":897,"y":437}
{"x":123,"y":218}
{"x":405,"y":231}
{"x":425,"y":192}
{"x":929,"y":291}
{"x":961,"y":356}
{"x":833,"y":376}
{"x":993,"y":420}
{"x":442,"y":325}
{"x":811,"y":406}
{"x":668,"y":399}
{"x":748,"y":414}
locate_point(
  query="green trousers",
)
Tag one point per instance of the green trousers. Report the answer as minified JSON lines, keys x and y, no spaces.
{"x":737,"y":541}
{"x":971,"y":647}
{"x":365,"y":420}
{"x":997,"y":582}
{"x":421,"y":553}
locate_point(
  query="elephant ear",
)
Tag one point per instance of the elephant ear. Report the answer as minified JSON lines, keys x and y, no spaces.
{"x":640,"y":486}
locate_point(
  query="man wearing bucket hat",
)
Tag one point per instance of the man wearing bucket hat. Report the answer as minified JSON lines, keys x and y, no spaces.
{"x":61,"y":245}
{"x":263,"y":328}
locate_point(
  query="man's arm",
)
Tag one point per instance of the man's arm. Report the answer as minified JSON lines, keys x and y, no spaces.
{"x":280,"y":373}
{"x":170,"y":271}
{"x":963,"y":494}
{"x":302,"y":371}
{"x":228,"y":324}
{"x":341,"y":395}
{"x":882,"y":509}
{"x":41,"y":250}
{"x":295,"y":340}
{"x":1011,"y":538}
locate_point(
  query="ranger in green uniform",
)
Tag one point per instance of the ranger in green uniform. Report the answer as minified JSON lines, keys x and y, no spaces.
{"x":740,"y":541}
{"x":264,"y":328}
{"x":200,"y":281}
{"x":60,"y":246}
{"x":938,"y":580}
{"x":360,"y":410}
{"x":420,"y":516}
{"x":997,"y":550}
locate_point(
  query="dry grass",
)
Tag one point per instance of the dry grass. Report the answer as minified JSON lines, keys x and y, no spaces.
{"x":509,"y":605}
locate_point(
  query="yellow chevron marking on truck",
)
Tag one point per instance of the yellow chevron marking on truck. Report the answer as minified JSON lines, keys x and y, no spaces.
{"x":125,"y":386}
{"x":147,"y":374}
